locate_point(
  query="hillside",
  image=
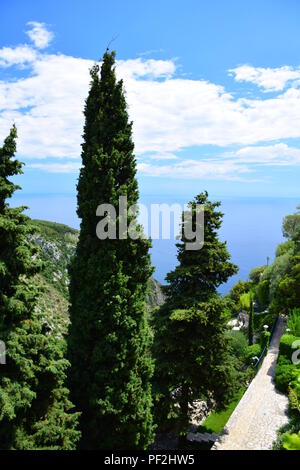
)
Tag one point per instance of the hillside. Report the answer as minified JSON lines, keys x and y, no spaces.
{"x":57,"y":243}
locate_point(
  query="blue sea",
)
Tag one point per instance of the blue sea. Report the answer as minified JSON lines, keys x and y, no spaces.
{"x":251,"y":227}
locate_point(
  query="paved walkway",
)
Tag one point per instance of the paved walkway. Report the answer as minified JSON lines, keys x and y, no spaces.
{"x":262,"y":410}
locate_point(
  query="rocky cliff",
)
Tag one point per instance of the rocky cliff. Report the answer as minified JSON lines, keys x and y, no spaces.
{"x":57,"y":244}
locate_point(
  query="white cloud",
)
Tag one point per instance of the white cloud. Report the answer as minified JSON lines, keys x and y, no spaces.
{"x":276,"y":155}
{"x":194,"y":169}
{"x":135,"y":68}
{"x":39,"y":34}
{"x":169,"y":114}
{"x":228,"y":166}
{"x":19,"y":55}
{"x":53,"y":97}
{"x":162,"y":156}
{"x":270,"y":79}
{"x":56,"y":167}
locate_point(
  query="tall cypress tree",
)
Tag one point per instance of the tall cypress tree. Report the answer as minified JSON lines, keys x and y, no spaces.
{"x":190,"y":346}
{"x":109,"y":336}
{"x":34,"y":404}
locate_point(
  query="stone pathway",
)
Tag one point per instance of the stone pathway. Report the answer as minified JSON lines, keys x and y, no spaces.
{"x":261,"y":411}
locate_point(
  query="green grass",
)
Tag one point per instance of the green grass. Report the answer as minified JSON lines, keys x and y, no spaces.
{"x":217,"y":420}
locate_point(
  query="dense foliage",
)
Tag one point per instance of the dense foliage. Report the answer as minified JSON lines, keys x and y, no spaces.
{"x":191,"y":348}
{"x":280,"y":282}
{"x":34,"y":404}
{"x":276,"y":290}
{"x":287,"y":300}
{"x":293,"y":323}
{"x":109,"y":336}
{"x":287,"y":380}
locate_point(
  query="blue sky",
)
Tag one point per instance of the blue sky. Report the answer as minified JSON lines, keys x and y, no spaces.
{"x":212,"y":87}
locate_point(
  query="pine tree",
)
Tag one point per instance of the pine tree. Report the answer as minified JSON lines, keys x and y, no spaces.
{"x":200,"y":272}
{"x":34,"y":404}
{"x":190,"y":346}
{"x":109,"y":337}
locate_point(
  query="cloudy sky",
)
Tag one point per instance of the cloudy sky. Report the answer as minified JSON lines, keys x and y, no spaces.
{"x":213,"y":89}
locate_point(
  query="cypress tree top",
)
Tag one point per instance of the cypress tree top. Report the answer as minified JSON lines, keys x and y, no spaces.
{"x":109,"y":166}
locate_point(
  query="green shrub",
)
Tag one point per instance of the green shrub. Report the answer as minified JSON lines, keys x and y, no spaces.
{"x":284,"y":360}
{"x":263,"y":292}
{"x":294,"y":321}
{"x":292,"y":427}
{"x":291,"y":441}
{"x":238,"y":344}
{"x":294,"y":396}
{"x":256,"y":273}
{"x":245,"y":301}
{"x":252,"y":351}
{"x":264,"y":339}
{"x":276,"y":271}
{"x":285,"y":346}
{"x":285,"y":247}
{"x":284,"y":375}
{"x":238,"y":289}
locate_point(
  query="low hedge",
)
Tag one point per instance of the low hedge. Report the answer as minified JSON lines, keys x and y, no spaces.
{"x":286,"y":372}
{"x":291,"y":441}
{"x":284,"y":375}
{"x":285,"y":346}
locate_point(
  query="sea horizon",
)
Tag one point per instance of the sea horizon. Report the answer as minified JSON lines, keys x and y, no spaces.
{"x":251,"y":226}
